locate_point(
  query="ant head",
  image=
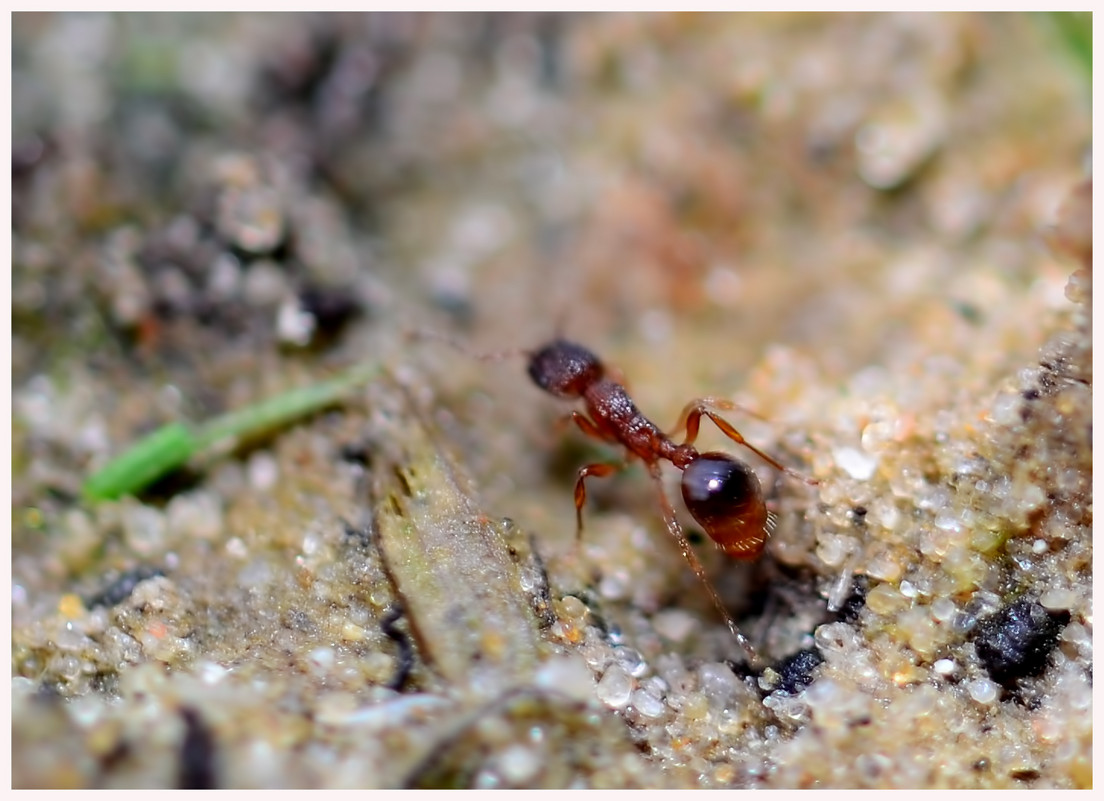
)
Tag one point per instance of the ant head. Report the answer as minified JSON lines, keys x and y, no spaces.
{"x":564,"y":368}
{"x":724,"y":496}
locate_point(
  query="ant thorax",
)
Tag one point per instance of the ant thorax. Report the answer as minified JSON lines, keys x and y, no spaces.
{"x":617,"y":417}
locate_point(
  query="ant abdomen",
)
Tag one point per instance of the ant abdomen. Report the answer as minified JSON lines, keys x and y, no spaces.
{"x":724,"y":496}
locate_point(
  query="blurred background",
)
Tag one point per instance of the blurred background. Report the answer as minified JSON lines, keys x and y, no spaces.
{"x":813,"y":214}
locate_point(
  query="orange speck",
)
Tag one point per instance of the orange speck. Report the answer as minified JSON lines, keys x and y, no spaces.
{"x":567,"y":631}
{"x":157,"y":629}
{"x":148,"y":332}
{"x":494,"y":645}
{"x":71,"y":606}
{"x":906,"y":426}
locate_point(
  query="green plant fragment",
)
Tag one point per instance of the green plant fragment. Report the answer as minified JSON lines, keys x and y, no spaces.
{"x":171,"y":446}
{"x":151,"y":458}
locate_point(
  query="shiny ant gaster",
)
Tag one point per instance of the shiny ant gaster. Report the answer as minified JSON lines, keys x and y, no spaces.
{"x":721,"y":493}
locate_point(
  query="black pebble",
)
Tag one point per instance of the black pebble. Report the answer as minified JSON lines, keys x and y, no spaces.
{"x":852,"y":605}
{"x":120,"y":589}
{"x":406,"y":647}
{"x":796,"y":670}
{"x":197,"y":754}
{"x":331,"y":307}
{"x":1015,"y":642}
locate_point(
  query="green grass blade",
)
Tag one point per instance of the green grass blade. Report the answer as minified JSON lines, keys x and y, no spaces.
{"x":283,"y":409}
{"x":152,"y":457}
{"x":169,"y":447}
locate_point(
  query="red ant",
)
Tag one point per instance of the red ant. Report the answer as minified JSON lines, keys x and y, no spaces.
{"x":721,"y":493}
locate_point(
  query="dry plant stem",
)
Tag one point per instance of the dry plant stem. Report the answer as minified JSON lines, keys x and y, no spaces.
{"x":450,"y":566}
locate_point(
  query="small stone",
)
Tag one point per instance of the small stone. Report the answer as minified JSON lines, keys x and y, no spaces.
{"x":615,"y":688}
{"x":919,"y":631}
{"x":631,"y":660}
{"x":1058,"y":600}
{"x":886,"y":514}
{"x":694,"y":706}
{"x":614,"y":585}
{"x":264,"y":284}
{"x":224,"y":277}
{"x":294,"y":326}
{"x":252,"y":218}
{"x":855,"y":463}
{"x":144,"y":529}
{"x":835,"y":638}
{"x":195,"y":515}
{"x":572,"y":608}
{"x":885,"y":568}
{"x":336,"y":709}
{"x":945,"y":667}
{"x":900,"y":138}
{"x":718,"y":683}
{"x":211,"y":673}
{"x":566,"y":674}
{"x":833,"y":549}
{"x":943,"y":610}
{"x":886,"y":600}
{"x":948,"y":520}
{"x":674,"y":624}
{"x":377,"y":667}
{"x":1005,"y":409}
{"x":321,"y":660}
{"x":983,"y":691}
{"x":351,"y":632}
{"x":263,"y":471}
{"x":647,"y":704}
{"x":519,"y":764}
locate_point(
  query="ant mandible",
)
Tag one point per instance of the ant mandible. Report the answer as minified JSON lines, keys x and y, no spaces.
{"x":721,"y":493}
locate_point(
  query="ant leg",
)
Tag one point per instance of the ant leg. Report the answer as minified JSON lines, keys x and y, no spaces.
{"x":590,"y":428}
{"x":600,"y":469}
{"x":701,"y":404}
{"x":691,"y":419}
{"x":675,"y":530}
{"x":585,"y":424}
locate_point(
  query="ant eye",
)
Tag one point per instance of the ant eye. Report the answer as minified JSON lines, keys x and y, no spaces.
{"x":724,"y":496}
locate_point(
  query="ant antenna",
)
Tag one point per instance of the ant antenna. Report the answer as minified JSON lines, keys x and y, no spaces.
{"x":492,"y":356}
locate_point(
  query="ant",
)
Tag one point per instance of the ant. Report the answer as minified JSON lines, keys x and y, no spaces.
{"x":721,"y":493}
